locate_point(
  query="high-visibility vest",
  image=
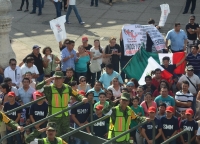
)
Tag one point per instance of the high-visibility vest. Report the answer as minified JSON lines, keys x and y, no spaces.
{"x":46,"y":141}
{"x":58,"y":102}
{"x":121,"y":125}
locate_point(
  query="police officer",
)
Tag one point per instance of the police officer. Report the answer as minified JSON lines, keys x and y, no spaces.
{"x":121,"y":118}
{"x":58,"y":96}
{"x":51,"y":135}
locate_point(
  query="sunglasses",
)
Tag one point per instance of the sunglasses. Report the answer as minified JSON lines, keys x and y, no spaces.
{"x":14,"y":64}
{"x":83,"y":81}
{"x":138,"y":91}
{"x":190,"y":70}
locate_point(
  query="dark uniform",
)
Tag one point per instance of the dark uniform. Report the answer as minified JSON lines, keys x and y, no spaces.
{"x":58,"y":99}
{"x":33,"y":136}
{"x":120,"y":120}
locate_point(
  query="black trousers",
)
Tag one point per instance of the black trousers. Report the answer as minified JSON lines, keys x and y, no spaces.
{"x":187,"y":5}
{"x":65,"y":2}
{"x":22,"y":4}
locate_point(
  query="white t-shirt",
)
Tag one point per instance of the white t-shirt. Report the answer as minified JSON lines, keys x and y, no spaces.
{"x":32,"y":69}
{"x":58,"y":28}
{"x":116,"y":93}
{"x":96,"y":53}
{"x":194,"y":79}
{"x":198,"y":132}
{"x":72,"y":2}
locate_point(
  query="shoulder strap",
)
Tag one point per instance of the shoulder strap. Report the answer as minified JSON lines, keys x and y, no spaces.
{"x":52,"y":61}
{"x":147,"y":105}
{"x":191,"y":82}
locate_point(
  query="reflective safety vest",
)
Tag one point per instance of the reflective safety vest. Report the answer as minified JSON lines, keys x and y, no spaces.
{"x":59,"y":140}
{"x":121,"y":125}
{"x":58,"y":102}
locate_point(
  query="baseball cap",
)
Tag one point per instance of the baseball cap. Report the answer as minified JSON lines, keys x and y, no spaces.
{"x":11,"y":94}
{"x":37,"y":93}
{"x":125,"y":96}
{"x":190,"y":67}
{"x":99,"y":107}
{"x":130,"y":84}
{"x":51,"y":126}
{"x":81,"y":92}
{"x":84,"y":38}
{"x":170,"y":109}
{"x":152,"y":109}
{"x":189,"y":111}
{"x":36,"y":47}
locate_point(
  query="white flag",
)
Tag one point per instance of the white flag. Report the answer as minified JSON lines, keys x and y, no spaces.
{"x":164,"y":14}
{"x":58,"y":28}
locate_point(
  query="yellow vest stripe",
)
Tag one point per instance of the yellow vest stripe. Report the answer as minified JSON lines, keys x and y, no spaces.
{"x":120,"y":124}
{"x":56,"y":100}
{"x":66,"y":99}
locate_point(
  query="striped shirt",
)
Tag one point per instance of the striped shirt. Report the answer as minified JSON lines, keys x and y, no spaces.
{"x":194,"y":61}
{"x":183,"y":97}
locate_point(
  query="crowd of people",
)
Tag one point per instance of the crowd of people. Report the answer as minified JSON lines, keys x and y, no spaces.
{"x":96,"y":74}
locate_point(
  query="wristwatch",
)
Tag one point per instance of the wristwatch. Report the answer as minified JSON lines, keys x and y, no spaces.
{"x":193,"y":30}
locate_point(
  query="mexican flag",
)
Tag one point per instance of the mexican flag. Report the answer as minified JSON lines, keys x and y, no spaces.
{"x":143,"y":63}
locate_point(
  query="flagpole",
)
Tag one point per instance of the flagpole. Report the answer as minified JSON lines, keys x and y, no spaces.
{"x":132,"y":57}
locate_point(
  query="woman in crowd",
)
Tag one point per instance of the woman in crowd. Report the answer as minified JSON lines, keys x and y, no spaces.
{"x":109,"y":95}
{"x":81,"y":64}
{"x":51,"y":61}
{"x":163,"y":83}
{"x":96,"y":58}
{"x":5,"y":89}
{"x":148,"y":102}
{"x":136,"y":84}
{"x":64,"y":44}
{"x":83,"y":85}
{"x":113,"y":51}
{"x":115,"y":87}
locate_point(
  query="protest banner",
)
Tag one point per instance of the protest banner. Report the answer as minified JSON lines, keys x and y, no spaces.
{"x":133,"y":37}
{"x":165,"y":10}
{"x":155,"y":36}
{"x":58,"y":28}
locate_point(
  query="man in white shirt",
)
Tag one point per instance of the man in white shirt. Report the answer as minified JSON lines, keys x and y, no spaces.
{"x":71,"y":4}
{"x":191,"y":78}
{"x":30,"y":67}
{"x":13,"y":72}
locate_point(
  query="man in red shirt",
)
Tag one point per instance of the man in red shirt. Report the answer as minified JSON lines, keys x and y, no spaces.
{"x":157,"y":78}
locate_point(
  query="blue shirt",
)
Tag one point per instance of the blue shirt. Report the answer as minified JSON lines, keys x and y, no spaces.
{"x":70,"y":63}
{"x":39,"y":112}
{"x":169,"y":101}
{"x":26,"y":96}
{"x":191,"y":126}
{"x":7,"y":106}
{"x":177,"y":39}
{"x":194,"y":61}
{"x":149,"y":128}
{"x":100,"y":128}
{"x":105,"y":78}
{"x":96,"y":94}
{"x":81,"y":112}
{"x":81,"y":64}
{"x":169,"y":126}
